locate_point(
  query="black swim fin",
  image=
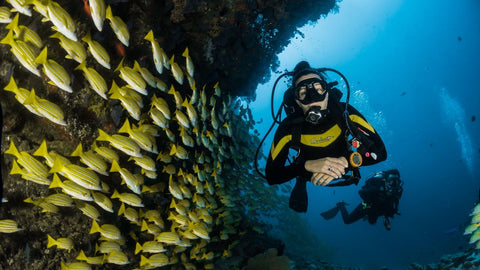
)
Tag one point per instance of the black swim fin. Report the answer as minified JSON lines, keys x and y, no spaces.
{"x":299,"y":198}
{"x":330,"y":213}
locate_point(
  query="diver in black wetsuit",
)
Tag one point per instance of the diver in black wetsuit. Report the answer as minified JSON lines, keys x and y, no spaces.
{"x":316,"y":126}
{"x":381,"y":195}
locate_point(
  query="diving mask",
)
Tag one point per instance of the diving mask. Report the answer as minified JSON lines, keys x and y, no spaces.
{"x":310,"y":90}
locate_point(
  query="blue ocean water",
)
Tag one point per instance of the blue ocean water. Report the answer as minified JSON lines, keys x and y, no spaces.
{"x":413,"y":69}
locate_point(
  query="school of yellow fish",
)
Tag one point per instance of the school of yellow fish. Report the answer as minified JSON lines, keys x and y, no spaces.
{"x":473,"y":228}
{"x":194,"y":126}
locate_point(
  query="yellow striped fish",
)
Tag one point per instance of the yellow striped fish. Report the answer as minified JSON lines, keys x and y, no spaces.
{"x":128,"y":198}
{"x":117,"y":257}
{"x":127,"y":177}
{"x":129,"y":213}
{"x":75,"y":266}
{"x":107,"y":153}
{"x":188,"y":62}
{"x":119,"y":27}
{"x":179,"y":151}
{"x":157,"y":52}
{"x":109,"y":231}
{"x":54,"y":71}
{"x":50,"y":157}
{"x":25,"y":33}
{"x":27,"y":161}
{"x":158,"y":118}
{"x":132,"y":78}
{"x":60,"y":199}
{"x":46,"y":206}
{"x":74,"y":49}
{"x":96,"y":81}
{"x":174,"y":188}
{"x":149,"y":247}
{"x":168,"y":238}
{"x":92,"y":160}
{"x":5,"y":15}
{"x":147,"y":76}
{"x":21,"y":6}
{"x":24,"y":52}
{"x":145,"y":162}
{"x":156,"y":260}
{"x":182,"y":119}
{"x":97,"y":9}
{"x":103,"y":201}
{"x":80,"y":175}
{"x":9,"y":226}
{"x":191,"y":112}
{"x":47,"y":109}
{"x":88,"y":210}
{"x":128,"y":103}
{"x":71,"y":188}
{"x":60,"y":18}
{"x":177,"y":96}
{"x":108,"y":246}
{"x":145,"y":141}
{"x":21,"y":94}
{"x":61,"y":243}
{"x":176,"y":70}
{"x":150,"y":228}
{"x":98,"y":51}
{"x":28,"y":175}
{"x":98,"y":260}
{"x":122,"y":143}
{"x":162,"y":105}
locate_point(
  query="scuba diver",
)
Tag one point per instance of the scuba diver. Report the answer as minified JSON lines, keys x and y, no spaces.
{"x":330,"y":137}
{"x":381,"y":195}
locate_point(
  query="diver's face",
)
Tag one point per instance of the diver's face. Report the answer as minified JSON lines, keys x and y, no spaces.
{"x":302,"y":91}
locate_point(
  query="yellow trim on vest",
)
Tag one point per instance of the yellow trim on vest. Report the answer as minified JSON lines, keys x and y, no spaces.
{"x":357,"y":119}
{"x":276,"y":149}
{"x":321,"y":140}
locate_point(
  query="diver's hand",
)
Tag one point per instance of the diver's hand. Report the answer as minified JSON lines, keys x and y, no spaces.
{"x":326,"y":169}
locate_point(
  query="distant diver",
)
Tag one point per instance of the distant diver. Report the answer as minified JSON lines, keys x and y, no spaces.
{"x":381,"y":196}
{"x":331,"y":137}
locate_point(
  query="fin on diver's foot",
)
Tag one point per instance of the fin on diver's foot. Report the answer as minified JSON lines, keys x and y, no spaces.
{"x":329,"y":214}
{"x":298,"y":198}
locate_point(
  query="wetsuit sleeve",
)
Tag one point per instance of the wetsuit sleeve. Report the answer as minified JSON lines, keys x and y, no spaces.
{"x":277,"y":171}
{"x":371,"y":147}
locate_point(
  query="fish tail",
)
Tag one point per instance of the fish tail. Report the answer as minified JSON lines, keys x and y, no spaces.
{"x":115,"y":166}
{"x":56,"y":182}
{"x":87,"y":38}
{"x":51,"y":241}
{"x":81,"y":66}
{"x":42,"y":150}
{"x":11,"y":86}
{"x":122,"y":209}
{"x":150,"y":36}
{"x":125,"y":127}
{"x":120,"y":65}
{"x":95,"y":228}
{"x":78,"y":151}
{"x":144,"y":260}
{"x":12,"y":150}
{"x":13,"y":24}
{"x":42,"y":57}
{"x":185,"y":53}
{"x":57,"y":166}
{"x":82,"y":256}
{"x":102,"y":135}
{"x":115,"y":194}
{"x":8,"y":39}
{"x":108,"y":13}
{"x":31,"y":99}
{"x":144,"y":226}
{"x":16,"y":169}
{"x":138,"y":248}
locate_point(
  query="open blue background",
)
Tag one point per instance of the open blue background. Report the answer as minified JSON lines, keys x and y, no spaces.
{"x":414,"y":69}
